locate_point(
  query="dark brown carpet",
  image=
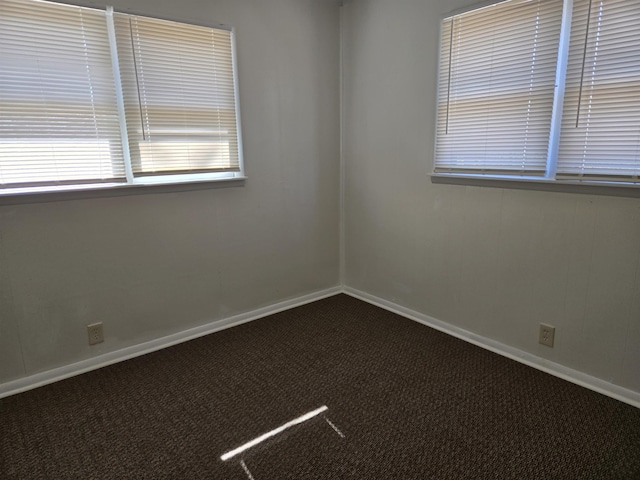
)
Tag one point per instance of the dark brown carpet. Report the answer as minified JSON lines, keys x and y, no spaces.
{"x":411,"y":402}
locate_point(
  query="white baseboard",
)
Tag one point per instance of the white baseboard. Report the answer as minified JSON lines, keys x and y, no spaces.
{"x":50,"y":376}
{"x":593,"y":383}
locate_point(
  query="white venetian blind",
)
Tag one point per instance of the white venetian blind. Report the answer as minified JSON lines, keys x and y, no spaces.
{"x":178,"y":87}
{"x":496,"y":88}
{"x":600,"y":136}
{"x":58,"y":110}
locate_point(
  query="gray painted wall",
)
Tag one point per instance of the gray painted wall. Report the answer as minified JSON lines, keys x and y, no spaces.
{"x":494,"y":261}
{"x":155,"y":264}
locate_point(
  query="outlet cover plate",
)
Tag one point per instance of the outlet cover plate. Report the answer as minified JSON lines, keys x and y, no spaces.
{"x":95,"y":332}
{"x":547,"y":333}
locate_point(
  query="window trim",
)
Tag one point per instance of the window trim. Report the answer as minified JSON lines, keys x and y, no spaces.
{"x":540,"y":184}
{"x":141,"y":183}
{"x":548,"y":181}
{"x":106,"y":190}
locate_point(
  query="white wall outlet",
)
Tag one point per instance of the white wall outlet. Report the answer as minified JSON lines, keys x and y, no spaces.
{"x":547,"y":332}
{"x":96,"y":334}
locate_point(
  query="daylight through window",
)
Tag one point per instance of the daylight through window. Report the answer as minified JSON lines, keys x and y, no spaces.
{"x":541,"y":89}
{"x":95,"y":97}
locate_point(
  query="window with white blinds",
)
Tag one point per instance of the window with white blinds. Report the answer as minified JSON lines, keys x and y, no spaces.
{"x":601,"y":122}
{"x":545,"y":89}
{"x":58,"y":114}
{"x":179,"y":96}
{"x":497,"y":77}
{"x":92,"y":97}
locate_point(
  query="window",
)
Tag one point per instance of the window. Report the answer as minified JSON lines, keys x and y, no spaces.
{"x":541,"y":90}
{"x":93,"y":97}
{"x":58,"y":109}
{"x":178,"y":95}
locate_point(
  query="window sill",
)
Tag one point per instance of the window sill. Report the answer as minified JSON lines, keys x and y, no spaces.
{"x":79,"y":192}
{"x":542,"y":184}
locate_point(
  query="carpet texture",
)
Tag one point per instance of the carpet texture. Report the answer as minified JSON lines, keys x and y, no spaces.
{"x":411,"y":403}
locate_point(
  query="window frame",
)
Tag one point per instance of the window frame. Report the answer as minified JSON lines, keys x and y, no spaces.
{"x":138,"y":183}
{"x":549,"y":181}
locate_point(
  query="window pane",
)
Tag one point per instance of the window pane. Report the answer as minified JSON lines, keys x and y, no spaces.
{"x":497,"y":82}
{"x":179,"y":96}
{"x":601,"y":117}
{"x":58,"y":111}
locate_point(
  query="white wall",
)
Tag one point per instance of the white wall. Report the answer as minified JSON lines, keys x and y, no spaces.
{"x":493,"y":261}
{"x":154,"y":264}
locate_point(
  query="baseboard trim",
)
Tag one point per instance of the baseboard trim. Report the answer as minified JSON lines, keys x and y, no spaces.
{"x":593,"y":383}
{"x":24,"y":384}
{"x":54,"y":375}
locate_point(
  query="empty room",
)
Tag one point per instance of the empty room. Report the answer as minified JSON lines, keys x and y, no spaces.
{"x":320,"y":239}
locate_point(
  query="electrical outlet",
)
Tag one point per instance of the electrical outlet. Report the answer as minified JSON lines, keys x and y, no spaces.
{"x":547,"y":332}
{"x":96,"y":335}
